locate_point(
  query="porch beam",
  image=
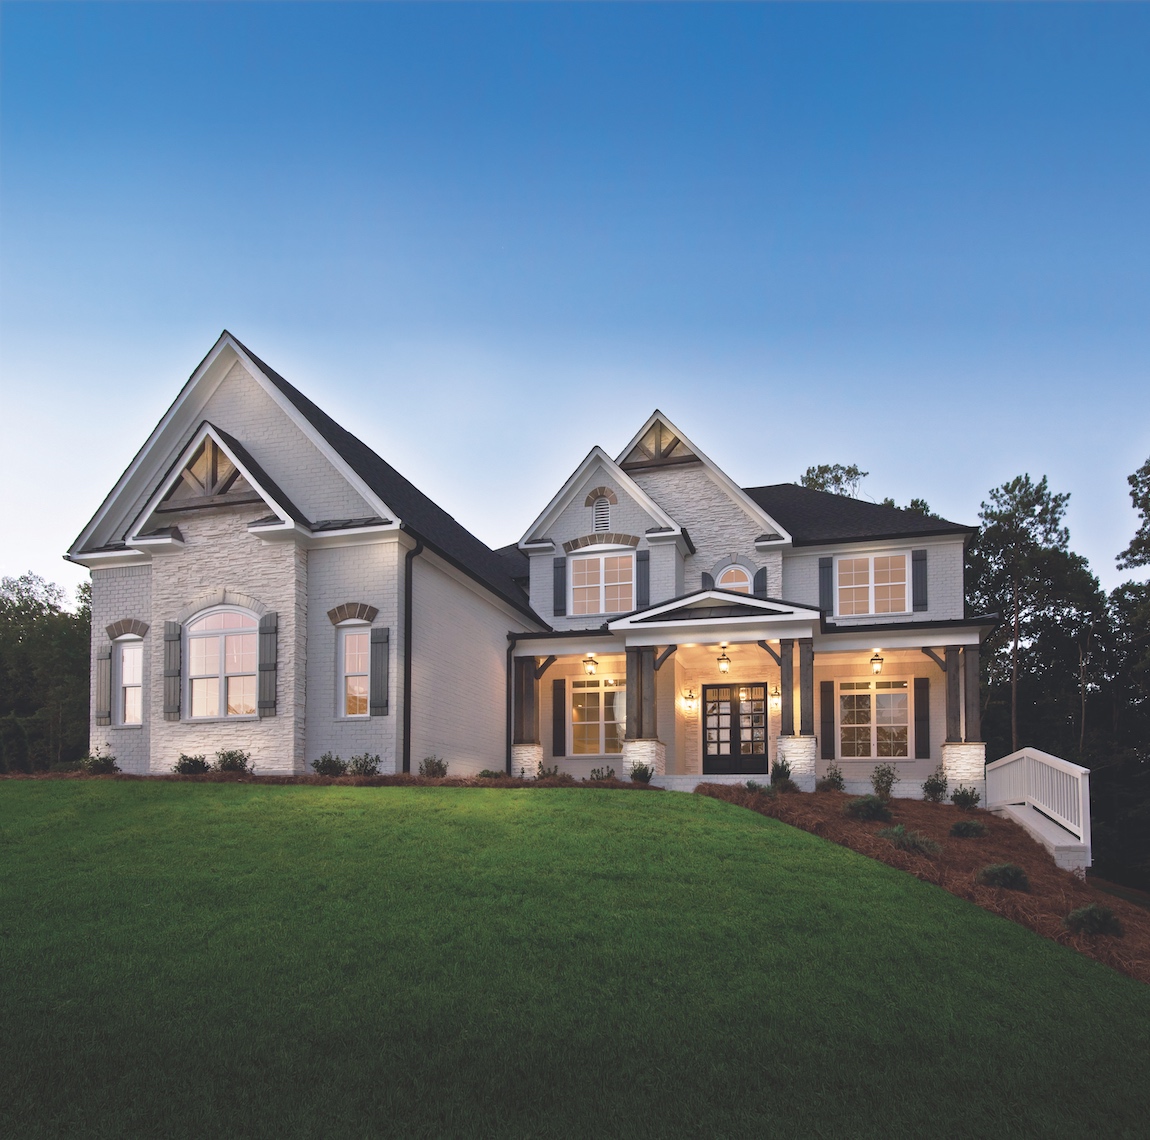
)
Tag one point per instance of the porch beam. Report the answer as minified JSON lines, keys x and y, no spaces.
{"x":766,"y":646}
{"x":806,"y":686}
{"x":663,"y":656}
{"x":935,"y":658}
{"x":787,"y":681}
{"x":971,"y":692}
{"x":953,"y":696}
{"x":544,"y":666}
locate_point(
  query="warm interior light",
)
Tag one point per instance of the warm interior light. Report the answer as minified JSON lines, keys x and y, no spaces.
{"x":876,"y":663}
{"x":590,"y":665}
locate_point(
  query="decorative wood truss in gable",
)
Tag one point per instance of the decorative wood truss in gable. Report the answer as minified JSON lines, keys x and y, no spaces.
{"x":209,"y":479}
{"x":659,"y":447}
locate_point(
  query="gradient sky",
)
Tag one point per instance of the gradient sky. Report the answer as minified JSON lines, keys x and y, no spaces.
{"x":488,"y":237}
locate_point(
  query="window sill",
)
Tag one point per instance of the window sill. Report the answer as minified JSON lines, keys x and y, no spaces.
{"x":130,"y":727}
{"x":219,"y":719}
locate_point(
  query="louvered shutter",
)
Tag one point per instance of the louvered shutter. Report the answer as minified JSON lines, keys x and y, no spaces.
{"x":918,"y":580}
{"x":922,"y":718}
{"x":269,"y":653}
{"x":827,"y":719}
{"x":559,"y":601}
{"x":559,"y":717}
{"x":708,"y":581}
{"x":760,"y":586}
{"x":380,"y":641}
{"x":173,"y":638}
{"x":104,"y":685}
{"x":642,"y":579}
{"x":827,"y":585}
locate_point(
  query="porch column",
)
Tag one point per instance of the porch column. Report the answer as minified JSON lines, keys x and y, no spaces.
{"x":973,"y":698}
{"x":806,"y":686}
{"x":953,"y":696}
{"x":641,"y":744}
{"x":526,"y":748}
{"x":787,"y":683}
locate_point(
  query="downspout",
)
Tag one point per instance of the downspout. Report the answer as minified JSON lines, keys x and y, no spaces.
{"x":511,"y":640}
{"x":409,"y":558}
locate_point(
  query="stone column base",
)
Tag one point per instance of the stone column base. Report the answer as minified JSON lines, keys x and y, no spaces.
{"x":800,"y":752}
{"x":525,"y":759}
{"x":965,"y":764}
{"x":653,"y":753}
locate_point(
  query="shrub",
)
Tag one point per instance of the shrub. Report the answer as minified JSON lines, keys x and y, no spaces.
{"x":97,"y":763}
{"x":909,"y":840}
{"x":234,"y":760}
{"x":760,"y":789}
{"x":602,"y":773}
{"x":642,"y":773}
{"x":968,"y":828}
{"x":882,"y":780}
{"x":365,"y":765}
{"x":491,"y":774}
{"x":934,"y":787}
{"x":866,"y":807}
{"x":545,"y":773}
{"x":1008,"y":875}
{"x":780,"y":770}
{"x":833,"y":779}
{"x":433,"y":766}
{"x":329,"y":765}
{"x":786,"y":784}
{"x":964,"y":797}
{"x":1093,"y":919}
{"x":191,"y":765}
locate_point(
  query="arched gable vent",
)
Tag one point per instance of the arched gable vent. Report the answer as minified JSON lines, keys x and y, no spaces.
{"x":600,"y":501}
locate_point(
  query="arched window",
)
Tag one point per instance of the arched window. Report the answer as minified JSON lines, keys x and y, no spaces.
{"x":601,"y":514}
{"x":222,"y":658}
{"x":735,"y":578}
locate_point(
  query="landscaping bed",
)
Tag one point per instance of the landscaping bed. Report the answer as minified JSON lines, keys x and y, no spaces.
{"x":1053,"y":892}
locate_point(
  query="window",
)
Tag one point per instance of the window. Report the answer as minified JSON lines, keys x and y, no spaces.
{"x":874,"y":720}
{"x":735,"y":578}
{"x":602,"y":584}
{"x":598,"y":716}
{"x":872,"y":585}
{"x":354,"y":655}
{"x":601,"y":514}
{"x":222,"y":654}
{"x":129,"y":677}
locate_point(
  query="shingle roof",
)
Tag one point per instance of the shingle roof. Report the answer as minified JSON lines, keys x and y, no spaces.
{"x":518,"y":564}
{"x":815,"y":517}
{"x":415,"y":510}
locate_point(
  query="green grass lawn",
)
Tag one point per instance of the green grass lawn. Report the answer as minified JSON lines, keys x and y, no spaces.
{"x":183,"y":959}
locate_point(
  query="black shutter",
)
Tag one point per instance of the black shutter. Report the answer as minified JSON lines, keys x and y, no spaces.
{"x":173,"y":637}
{"x":760,"y":587}
{"x":708,"y":583}
{"x":104,"y":685}
{"x":559,"y":603}
{"x":918,"y":579}
{"x":642,"y":579}
{"x":827,"y":719}
{"x":269,"y":625}
{"x":922,"y":718}
{"x":377,"y":701}
{"x":827,"y":584}
{"x":559,"y":717}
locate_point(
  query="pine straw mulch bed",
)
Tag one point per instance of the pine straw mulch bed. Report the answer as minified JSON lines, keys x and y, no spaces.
{"x":1053,"y":894}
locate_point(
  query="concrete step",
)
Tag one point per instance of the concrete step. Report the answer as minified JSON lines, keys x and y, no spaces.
{"x":1068,"y":850}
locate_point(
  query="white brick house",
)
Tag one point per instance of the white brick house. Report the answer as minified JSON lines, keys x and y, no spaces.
{"x":263,"y":580}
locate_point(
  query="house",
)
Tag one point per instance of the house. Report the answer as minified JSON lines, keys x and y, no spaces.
{"x":262,"y":580}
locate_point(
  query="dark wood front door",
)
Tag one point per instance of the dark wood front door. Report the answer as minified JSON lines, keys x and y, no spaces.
{"x":735,"y":729}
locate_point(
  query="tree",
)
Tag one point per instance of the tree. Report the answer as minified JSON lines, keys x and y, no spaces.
{"x":915,"y":506}
{"x":1138,"y":552}
{"x":834,"y":477}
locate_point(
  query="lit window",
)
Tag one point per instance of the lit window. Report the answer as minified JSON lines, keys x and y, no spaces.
{"x":598,"y":716}
{"x":874,"y":720}
{"x":602,"y":584}
{"x":130,"y":673}
{"x":354,"y":658}
{"x":222,"y":655}
{"x":601,"y":514}
{"x":872,"y":585}
{"x":735,"y":578}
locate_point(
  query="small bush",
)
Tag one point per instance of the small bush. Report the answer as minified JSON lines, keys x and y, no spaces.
{"x":760,"y":789}
{"x":1093,"y":919}
{"x":909,"y":840}
{"x":329,"y":765}
{"x":1008,"y":875}
{"x":965,"y":798}
{"x":882,"y":780}
{"x":934,"y":787}
{"x":780,"y":770}
{"x":491,"y":774}
{"x":968,"y":828}
{"x":545,"y":773}
{"x":191,"y":765}
{"x":97,"y":763}
{"x":642,"y":773}
{"x":365,"y":765}
{"x":786,"y":785}
{"x":833,"y":779}
{"x":866,"y":807}
{"x":433,"y":766}
{"x":602,"y":773}
{"x":233,"y":760}
{"x":825,"y":785}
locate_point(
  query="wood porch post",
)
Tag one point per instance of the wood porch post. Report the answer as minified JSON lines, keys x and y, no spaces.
{"x":806,"y":686}
{"x":525,"y":702}
{"x":973,"y":698}
{"x":642,"y":712}
{"x":953,"y":696}
{"x":787,"y":682}
{"x":649,"y":707}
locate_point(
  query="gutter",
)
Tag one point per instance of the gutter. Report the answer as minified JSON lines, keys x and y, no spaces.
{"x":408,"y":559}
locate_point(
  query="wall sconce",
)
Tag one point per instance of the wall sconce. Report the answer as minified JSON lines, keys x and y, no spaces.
{"x":690,"y":701}
{"x":876,"y":663}
{"x":590,"y":664}
{"x":723,"y":660}
{"x":776,"y":699}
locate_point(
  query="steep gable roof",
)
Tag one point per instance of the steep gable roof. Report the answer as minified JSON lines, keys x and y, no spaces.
{"x":817,"y":517}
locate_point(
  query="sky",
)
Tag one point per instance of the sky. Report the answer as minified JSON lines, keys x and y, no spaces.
{"x":488,"y":237}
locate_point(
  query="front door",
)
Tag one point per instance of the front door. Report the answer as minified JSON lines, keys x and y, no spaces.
{"x":735,"y":729}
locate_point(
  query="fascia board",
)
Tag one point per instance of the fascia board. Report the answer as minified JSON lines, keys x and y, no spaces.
{"x":717,"y":473}
{"x":595,"y":642}
{"x":753,"y":605}
{"x":102,"y":559}
{"x":596,"y":455}
{"x":891,"y":639}
{"x":872,"y":545}
{"x":737,"y":631}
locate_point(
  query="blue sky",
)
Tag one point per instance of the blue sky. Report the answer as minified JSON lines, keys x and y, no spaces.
{"x":487,"y":237}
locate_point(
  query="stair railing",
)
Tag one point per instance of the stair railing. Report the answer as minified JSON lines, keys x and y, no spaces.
{"x":1054,"y":786}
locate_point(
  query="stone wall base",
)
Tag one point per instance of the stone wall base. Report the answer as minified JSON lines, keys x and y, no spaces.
{"x":800,"y":752}
{"x":965,"y":764}
{"x":525,"y":759}
{"x":653,"y":753}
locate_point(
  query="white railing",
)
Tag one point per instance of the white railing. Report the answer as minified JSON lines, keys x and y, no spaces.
{"x":1054,"y":786}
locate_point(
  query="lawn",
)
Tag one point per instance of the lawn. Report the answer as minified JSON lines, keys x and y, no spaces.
{"x":182,"y":959}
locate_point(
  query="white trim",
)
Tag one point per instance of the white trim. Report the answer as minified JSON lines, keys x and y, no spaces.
{"x":599,"y":553}
{"x":757,"y":609}
{"x":835,"y":642}
{"x":186,"y":679}
{"x":910,"y":757}
{"x":871,"y":612}
{"x":569,"y":712}
{"x":351,"y":625}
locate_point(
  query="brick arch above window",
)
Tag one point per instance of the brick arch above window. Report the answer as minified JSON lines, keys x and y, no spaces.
{"x":601,"y":493}
{"x":352,"y":611}
{"x":127,"y":627}
{"x":222,"y":598}
{"x":604,"y":538}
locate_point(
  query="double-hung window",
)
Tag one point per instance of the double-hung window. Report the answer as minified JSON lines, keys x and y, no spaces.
{"x":872,"y":584}
{"x":874,"y":720}
{"x":598,"y":716}
{"x":602,"y":583}
{"x":129,"y":681}
{"x":222,"y":656}
{"x":354,"y":668}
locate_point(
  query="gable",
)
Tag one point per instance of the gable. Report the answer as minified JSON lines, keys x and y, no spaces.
{"x":658,"y":446}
